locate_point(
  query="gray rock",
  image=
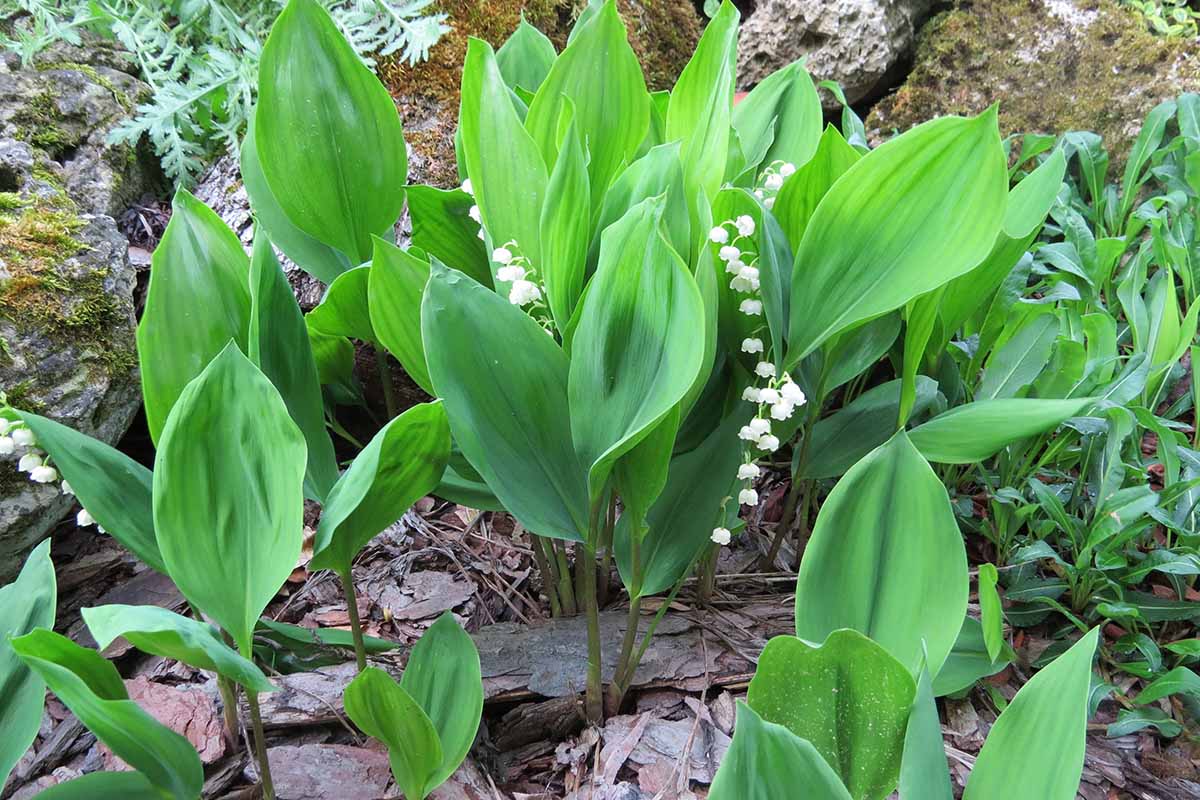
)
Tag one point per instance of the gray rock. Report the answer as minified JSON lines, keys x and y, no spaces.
{"x":67,"y":317}
{"x":862,"y":44}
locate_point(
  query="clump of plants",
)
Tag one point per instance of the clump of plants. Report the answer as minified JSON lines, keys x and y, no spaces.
{"x":636,"y":311}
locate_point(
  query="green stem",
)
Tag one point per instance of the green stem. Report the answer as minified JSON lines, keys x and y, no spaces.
{"x":360,"y":649}
{"x":626,"y":679}
{"x":260,"y":746}
{"x":549,"y":579}
{"x":585,"y":568}
{"x":616,"y":691}
{"x":606,"y":544}
{"x":385,"y":378}
{"x":229,"y":712}
{"x":566,"y":593}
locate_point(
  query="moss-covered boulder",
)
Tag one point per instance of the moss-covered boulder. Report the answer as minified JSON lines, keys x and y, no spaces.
{"x":1053,"y":65}
{"x":66,"y":285}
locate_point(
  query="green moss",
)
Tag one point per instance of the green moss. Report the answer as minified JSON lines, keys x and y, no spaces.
{"x":36,"y":124}
{"x":10,"y":201}
{"x":1104,"y":76}
{"x":95,"y":77}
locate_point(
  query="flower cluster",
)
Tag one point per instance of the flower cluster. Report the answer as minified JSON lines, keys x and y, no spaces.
{"x":16,"y":437}
{"x":772,"y":179}
{"x":515,"y":269}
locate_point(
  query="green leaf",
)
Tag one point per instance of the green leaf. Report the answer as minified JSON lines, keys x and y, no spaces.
{"x":104,"y":786}
{"x":25,"y":604}
{"x":1132,"y":720}
{"x":278,"y":344}
{"x":92,"y":689}
{"x":443,"y":228}
{"x":526,"y":57}
{"x":1180,"y":680}
{"x":802,"y":192}
{"x":848,"y":697}
{"x":506,"y":168}
{"x":504,"y":383}
{"x":844,"y":437}
{"x":443,"y":676}
{"x":384,"y":711}
{"x":968,"y":661}
{"x":784,"y":106}
{"x":991,"y":612}
{"x":566,"y":228}
{"x":599,"y":74}
{"x":924,"y":773}
{"x":1012,"y":367}
{"x":401,"y":464}
{"x":345,"y":310}
{"x":228,"y":499}
{"x":115,"y":489}
{"x":319,"y":260}
{"x":160,"y":632}
{"x":886,"y":527}
{"x":1037,"y":742}
{"x":394,"y":288}
{"x":636,"y":352}
{"x":656,"y":173}
{"x":972,"y":432}
{"x":328,"y":134}
{"x":764,"y":758}
{"x":198,"y":283}
{"x":912,"y":214}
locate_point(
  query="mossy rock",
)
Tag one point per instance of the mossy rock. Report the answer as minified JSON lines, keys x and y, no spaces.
{"x":1053,"y":65}
{"x":663,"y":33}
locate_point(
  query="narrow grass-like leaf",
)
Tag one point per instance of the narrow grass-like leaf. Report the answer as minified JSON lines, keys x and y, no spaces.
{"x":991,"y":612}
{"x":924,"y":773}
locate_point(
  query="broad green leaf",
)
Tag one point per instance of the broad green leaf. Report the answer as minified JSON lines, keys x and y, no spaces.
{"x":968,"y":661}
{"x":599,"y":74}
{"x":991,"y":612}
{"x":970,"y":433}
{"x":1037,"y":742}
{"x":115,"y":489}
{"x":886,"y":527}
{"x":844,"y":437}
{"x":319,"y":260}
{"x":851,"y":352}
{"x":640,"y":475}
{"x":1180,"y":680}
{"x":784,"y":106}
{"x":443,"y":228}
{"x":506,"y":168}
{"x":328,"y":134}
{"x":384,"y":711}
{"x":160,"y":632}
{"x":682,"y":519}
{"x":198,"y":283}
{"x":848,"y":697}
{"x":26,"y":604}
{"x":658,"y":172}
{"x":278,"y":344}
{"x":1012,"y":367}
{"x":92,"y":689}
{"x":394,"y":288}
{"x":104,"y":786}
{"x":802,"y":192}
{"x":566,"y":228}
{"x":911,"y":215}
{"x":228,"y":498}
{"x":526,"y":57}
{"x":401,"y":464}
{"x":504,"y":383}
{"x":345,"y":310}
{"x":765,"y":758}
{"x":443,"y":677}
{"x":334,"y":356}
{"x":1132,"y":720}
{"x":924,"y":773}
{"x":700,"y":111}
{"x":636,"y":349}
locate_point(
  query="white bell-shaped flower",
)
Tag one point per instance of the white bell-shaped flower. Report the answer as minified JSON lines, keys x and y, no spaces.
{"x":718,"y":235}
{"x":768,"y":395}
{"x":747,"y":497}
{"x":760,"y":426}
{"x":752,"y":345}
{"x":782,"y":410}
{"x":787,"y":169}
{"x":728,"y":253}
{"x":513,"y":272}
{"x":751,"y":394}
{"x":769,"y":443}
{"x":7,"y":445}
{"x":740,"y":284}
{"x":734,"y":267}
{"x":502,"y":255}
{"x":721,"y":536}
{"x":748,"y":434}
{"x":793,"y":393}
{"x":5,"y":425}
{"x":751,"y":308}
{"x":744,"y":225}
{"x":83,"y":519}
{"x":764,"y":369}
{"x":473,"y":213}
{"x":66,"y":488}
{"x":43,"y":474}
{"x":524,"y":292}
{"x":468,"y":188}
{"x":774,"y":182}
{"x":748,"y":472}
{"x":24,"y":437}
{"x":29,"y":462}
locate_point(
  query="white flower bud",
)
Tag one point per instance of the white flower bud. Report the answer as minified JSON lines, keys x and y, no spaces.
{"x":83,"y":519}
{"x":747,"y":497}
{"x":748,"y":472}
{"x":768,"y":396}
{"x":24,"y":437}
{"x":744,"y":225}
{"x":728,"y":253}
{"x":718,"y":235}
{"x":748,"y":434}
{"x":512,"y":272}
{"x":773,"y":182}
{"x":793,"y":393}
{"x":752,"y":345}
{"x":751,"y":394}
{"x":473,"y":213}
{"x":43,"y":474}
{"x":29,"y":462}
{"x":769,"y":202}
{"x":7,"y":445}
{"x":502,"y":255}
{"x":760,"y":426}
{"x":523,"y":293}
{"x":764,"y":369}
{"x":751,"y":308}
{"x":66,"y":488}
{"x":787,"y":170}
{"x":782,"y":410}
{"x":768,"y":443}
{"x":721,"y":536}
{"x":468,"y":188}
